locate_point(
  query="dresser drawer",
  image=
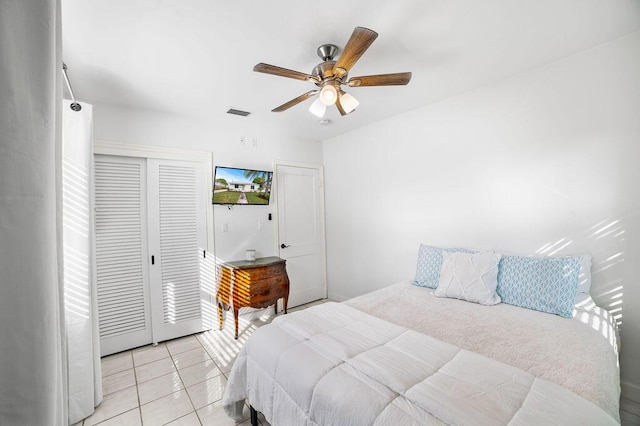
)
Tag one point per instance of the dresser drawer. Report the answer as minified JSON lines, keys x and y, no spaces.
{"x":275,"y":284}
{"x":260,"y":273}
{"x":270,"y":288}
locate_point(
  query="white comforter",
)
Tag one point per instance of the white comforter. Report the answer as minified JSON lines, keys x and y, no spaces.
{"x":335,"y":365}
{"x":579,"y":354}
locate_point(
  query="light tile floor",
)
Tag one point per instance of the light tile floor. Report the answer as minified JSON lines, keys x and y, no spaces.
{"x":179,"y":382}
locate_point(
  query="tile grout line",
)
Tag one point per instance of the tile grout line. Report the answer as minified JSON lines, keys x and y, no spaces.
{"x":116,"y":415}
{"x":185,"y":386}
{"x":135,"y":375}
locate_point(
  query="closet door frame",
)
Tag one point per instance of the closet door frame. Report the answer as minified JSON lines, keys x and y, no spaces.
{"x":166,"y":153}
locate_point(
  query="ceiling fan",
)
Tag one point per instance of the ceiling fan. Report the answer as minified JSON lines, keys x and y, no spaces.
{"x":330,"y":75}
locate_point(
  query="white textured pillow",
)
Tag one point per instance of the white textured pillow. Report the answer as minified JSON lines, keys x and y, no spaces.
{"x":469,"y":276}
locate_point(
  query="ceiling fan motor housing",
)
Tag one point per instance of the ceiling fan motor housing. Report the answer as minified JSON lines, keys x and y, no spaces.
{"x":324,"y":71}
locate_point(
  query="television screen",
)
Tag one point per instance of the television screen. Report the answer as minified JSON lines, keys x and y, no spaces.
{"x":241,"y":186}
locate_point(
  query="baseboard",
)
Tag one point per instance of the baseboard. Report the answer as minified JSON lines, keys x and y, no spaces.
{"x":630,"y":391}
{"x":337,"y":297}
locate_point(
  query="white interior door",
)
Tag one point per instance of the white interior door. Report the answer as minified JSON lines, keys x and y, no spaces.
{"x":301,"y":230}
{"x":177,"y":243}
{"x":121,"y":253}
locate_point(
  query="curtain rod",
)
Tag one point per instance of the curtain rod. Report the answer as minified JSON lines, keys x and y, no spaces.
{"x":74,"y":105}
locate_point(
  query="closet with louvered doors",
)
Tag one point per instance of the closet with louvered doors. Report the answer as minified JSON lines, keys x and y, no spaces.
{"x":151,"y":250}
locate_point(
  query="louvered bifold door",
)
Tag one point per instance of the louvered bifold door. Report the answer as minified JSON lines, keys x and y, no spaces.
{"x":178,"y":242}
{"x":121,"y":253}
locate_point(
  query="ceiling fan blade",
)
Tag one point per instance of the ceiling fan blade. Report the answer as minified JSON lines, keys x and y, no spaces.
{"x":397,"y":79}
{"x":284,"y":72}
{"x":359,"y":42}
{"x":295,"y":101}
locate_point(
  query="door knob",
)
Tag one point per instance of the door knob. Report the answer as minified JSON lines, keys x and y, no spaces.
{"x":283,"y":245}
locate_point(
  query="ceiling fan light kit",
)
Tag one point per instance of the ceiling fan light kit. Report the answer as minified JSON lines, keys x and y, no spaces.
{"x":318,"y":108}
{"x":328,"y":94}
{"x":348,"y":102}
{"x":329,"y":75}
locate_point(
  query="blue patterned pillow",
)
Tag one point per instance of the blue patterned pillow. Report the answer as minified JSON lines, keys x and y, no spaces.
{"x":546,"y":284}
{"x":430,"y":264}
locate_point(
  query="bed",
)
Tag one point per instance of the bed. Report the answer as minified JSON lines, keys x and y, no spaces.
{"x":406,"y":355}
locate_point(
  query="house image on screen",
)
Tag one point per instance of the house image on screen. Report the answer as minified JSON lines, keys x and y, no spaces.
{"x":244,"y":187}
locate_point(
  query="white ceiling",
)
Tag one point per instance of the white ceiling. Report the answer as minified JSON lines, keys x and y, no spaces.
{"x":195,"y":57}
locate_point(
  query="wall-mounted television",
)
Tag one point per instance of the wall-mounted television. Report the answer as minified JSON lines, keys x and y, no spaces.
{"x":247,"y":187}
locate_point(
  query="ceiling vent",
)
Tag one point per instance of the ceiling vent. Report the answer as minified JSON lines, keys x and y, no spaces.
{"x":238,"y":112}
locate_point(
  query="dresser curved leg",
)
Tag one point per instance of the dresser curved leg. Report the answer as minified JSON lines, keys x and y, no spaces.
{"x":220,"y":316}
{"x":284,"y":304}
{"x":235,"y":318}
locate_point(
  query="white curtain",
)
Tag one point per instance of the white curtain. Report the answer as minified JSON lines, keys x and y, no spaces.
{"x":40,"y":381}
{"x":83,"y":345}
{"x":32,"y":377}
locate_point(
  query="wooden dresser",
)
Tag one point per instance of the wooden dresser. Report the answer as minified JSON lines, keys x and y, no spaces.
{"x":255,"y":284}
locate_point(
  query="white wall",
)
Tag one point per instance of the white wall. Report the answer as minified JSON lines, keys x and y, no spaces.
{"x":549,"y":157}
{"x":221,"y":137}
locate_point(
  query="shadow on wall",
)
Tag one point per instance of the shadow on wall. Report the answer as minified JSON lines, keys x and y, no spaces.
{"x":604,"y":242}
{"x":606,"y":271}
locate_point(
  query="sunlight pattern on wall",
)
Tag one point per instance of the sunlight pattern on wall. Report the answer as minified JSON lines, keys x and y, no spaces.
{"x":604,"y":241}
{"x":608,"y":236}
{"x":551,"y":249}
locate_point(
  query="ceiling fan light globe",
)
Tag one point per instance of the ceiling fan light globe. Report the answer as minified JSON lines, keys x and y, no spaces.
{"x":328,"y":95}
{"x":348,"y":103}
{"x":318,"y":108}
